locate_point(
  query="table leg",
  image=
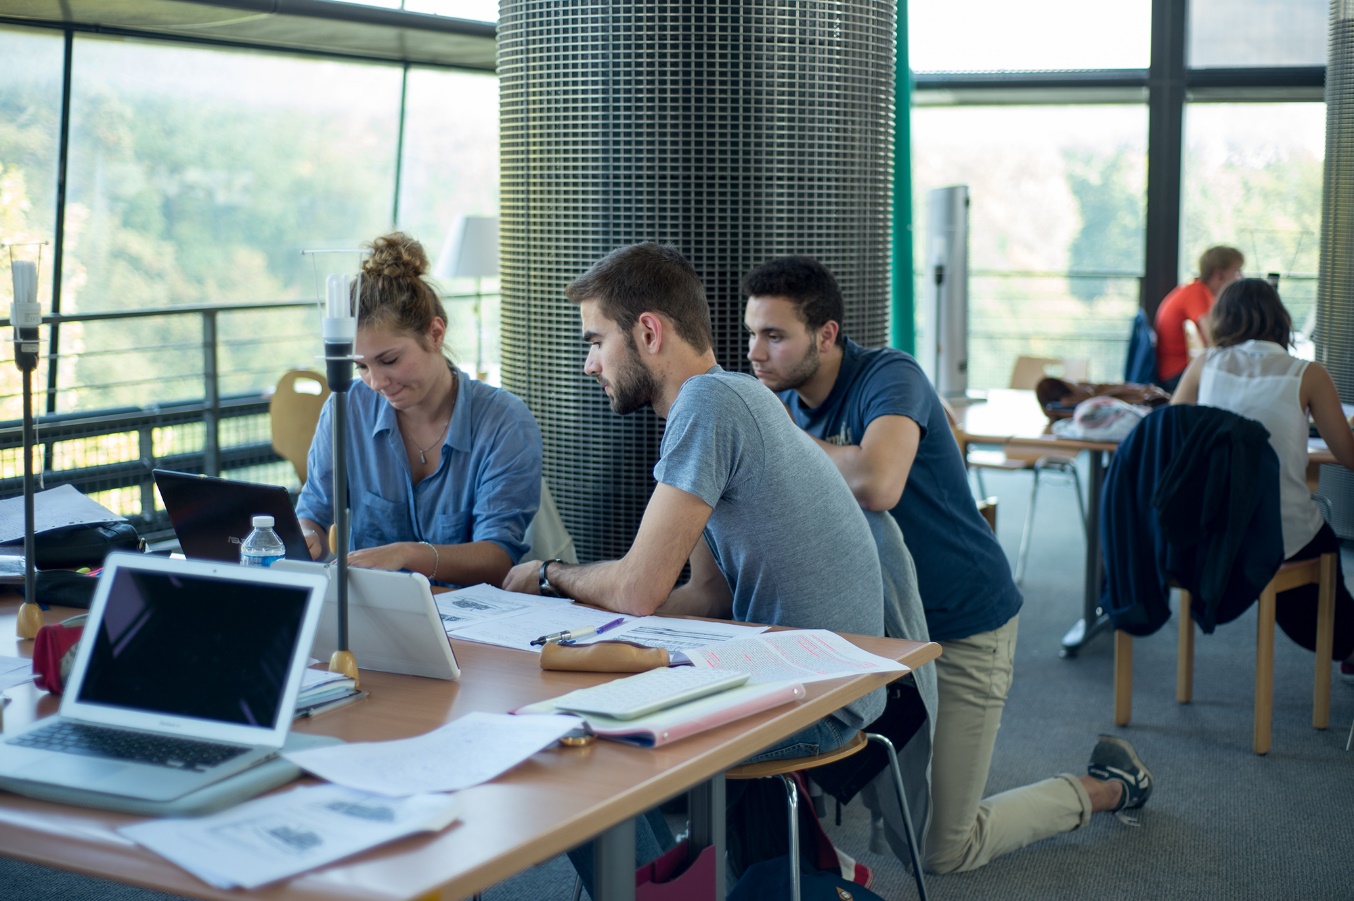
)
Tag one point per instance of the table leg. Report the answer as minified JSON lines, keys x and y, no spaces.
{"x":1092,"y":621}
{"x":613,"y":862}
{"x":706,"y":804}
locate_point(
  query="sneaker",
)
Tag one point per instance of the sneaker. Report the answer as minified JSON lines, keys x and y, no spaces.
{"x":1114,"y":758}
{"x":1347,"y":672}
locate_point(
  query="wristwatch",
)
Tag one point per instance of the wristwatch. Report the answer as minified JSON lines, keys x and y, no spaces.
{"x":543,"y":580}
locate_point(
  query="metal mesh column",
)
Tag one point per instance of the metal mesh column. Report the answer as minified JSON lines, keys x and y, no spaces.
{"x":1335,"y":287}
{"x":733,"y":131}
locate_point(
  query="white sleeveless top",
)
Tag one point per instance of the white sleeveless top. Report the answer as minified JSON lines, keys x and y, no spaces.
{"x":1259,"y":380}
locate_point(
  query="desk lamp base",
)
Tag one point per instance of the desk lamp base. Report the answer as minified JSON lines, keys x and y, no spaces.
{"x":30,"y":620}
{"x":344,"y":662}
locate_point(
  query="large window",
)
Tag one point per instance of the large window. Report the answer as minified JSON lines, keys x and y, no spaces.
{"x":1246,"y":33}
{"x":1252,"y":179}
{"x":998,"y":35}
{"x":30,"y":110}
{"x":1055,"y":227}
{"x":450,"y":170}
{"x":198,"y":176}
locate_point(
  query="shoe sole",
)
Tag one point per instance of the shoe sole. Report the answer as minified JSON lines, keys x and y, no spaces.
{"x":1124,"y":745}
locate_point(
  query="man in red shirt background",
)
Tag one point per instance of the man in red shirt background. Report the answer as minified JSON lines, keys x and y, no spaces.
{"x":1218,"y":267}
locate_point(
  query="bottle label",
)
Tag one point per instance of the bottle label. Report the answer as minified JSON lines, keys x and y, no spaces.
{"x":251,"y":560}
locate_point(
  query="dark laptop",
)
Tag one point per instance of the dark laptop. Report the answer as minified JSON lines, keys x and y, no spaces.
{"x":212,"y":516}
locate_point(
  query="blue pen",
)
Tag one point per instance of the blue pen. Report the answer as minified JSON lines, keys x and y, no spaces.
{"x":575,"y":634}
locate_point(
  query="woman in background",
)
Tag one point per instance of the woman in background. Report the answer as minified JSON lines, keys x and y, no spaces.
{"x":444,"y":472}
{"x":1249,"y":371}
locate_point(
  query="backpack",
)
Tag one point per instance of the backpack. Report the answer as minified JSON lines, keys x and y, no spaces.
{"x":769,"y":880}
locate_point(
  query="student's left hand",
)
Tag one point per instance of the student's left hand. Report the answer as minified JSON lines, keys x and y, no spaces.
{"x":524,"y":578}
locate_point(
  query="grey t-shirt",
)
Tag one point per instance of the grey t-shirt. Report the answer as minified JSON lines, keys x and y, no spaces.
{"x":786,"y":531}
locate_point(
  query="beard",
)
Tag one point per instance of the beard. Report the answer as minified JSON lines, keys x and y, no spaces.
{"x":798,"y":373}
{"x":633,"y":387}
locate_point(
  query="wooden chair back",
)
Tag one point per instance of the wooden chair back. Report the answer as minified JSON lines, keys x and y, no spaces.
{"x":293,"y":414}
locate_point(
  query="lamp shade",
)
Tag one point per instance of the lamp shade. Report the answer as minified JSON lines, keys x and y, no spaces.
{"x":470,"y":251}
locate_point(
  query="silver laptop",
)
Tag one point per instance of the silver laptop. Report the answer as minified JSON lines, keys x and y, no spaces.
{"x":187,"y":675}
{"x":393,"y":624}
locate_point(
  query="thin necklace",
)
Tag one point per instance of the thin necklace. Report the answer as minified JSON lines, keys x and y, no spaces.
{"x":422,"y":451}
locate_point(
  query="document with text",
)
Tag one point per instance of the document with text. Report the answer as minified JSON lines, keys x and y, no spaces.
{"x":277,"y":836}
{"x":493,"y":616}
{"x":800,"y":655}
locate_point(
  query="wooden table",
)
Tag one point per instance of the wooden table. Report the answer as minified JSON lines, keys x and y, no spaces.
{"x":1011,"y":417}
{"x":550,"y":803}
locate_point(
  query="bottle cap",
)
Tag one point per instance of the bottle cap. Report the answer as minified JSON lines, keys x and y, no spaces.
{"x":263,"y":522}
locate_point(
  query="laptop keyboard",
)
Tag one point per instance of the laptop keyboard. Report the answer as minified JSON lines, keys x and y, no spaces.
{"x":120,"y":744}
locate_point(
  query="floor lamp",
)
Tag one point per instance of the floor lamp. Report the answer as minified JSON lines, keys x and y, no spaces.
{"x":471,"y":251}
{"x":338,"y":330}
{"x":26,"y":315}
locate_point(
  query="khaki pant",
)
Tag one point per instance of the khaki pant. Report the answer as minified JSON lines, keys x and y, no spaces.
{"x":967,"y":831}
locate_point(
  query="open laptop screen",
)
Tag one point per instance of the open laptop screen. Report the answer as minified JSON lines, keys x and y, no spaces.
{"x":196,"y":646}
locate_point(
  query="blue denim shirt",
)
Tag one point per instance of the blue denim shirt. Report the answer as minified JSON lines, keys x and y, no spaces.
{"x":486,"y":488}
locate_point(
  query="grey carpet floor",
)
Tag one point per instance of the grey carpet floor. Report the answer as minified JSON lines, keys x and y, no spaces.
{"x":1222,"y":822}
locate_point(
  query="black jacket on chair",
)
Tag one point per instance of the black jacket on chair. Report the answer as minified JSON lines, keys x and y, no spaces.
{"x":1192,"y":495}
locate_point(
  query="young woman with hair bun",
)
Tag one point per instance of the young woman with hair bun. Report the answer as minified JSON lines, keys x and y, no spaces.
{"x":444,"y":472}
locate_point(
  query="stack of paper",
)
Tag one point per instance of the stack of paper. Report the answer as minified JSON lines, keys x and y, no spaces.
{"x":322,"y":690}
{"x":277,"y":836}
{"x":384,"y":791}
{"x":797,"y":655}
{"x":491,"y":615}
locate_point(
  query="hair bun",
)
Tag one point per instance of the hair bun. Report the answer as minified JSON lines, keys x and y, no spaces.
{"x":395,"y":255}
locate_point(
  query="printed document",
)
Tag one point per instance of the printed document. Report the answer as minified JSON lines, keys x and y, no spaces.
{"x":277,"y":836}
{"x":465,"y":752}
{"x":799,"y":655}
{"x":15,"y":671}
{"x":493,"y":616}
{"x":484,"y":603}
{"x":676,"y":634}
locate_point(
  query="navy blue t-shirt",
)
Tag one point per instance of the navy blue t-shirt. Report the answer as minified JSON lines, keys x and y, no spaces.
{"x":962,"y":572}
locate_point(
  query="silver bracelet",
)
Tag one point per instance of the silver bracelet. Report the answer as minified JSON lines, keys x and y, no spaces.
{"x":436,"y":559}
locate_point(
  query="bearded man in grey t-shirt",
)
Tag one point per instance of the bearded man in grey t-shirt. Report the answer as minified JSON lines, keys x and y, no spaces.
{"x":784,"y":541}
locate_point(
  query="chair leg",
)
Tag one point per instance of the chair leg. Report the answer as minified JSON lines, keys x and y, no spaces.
{"x":1029,"y":527}
{"x":912,"y":849}
{"x":1264,"y":671}
{"x":1123,"y":677}
{"x":1325,"y":638}
{"x":792,"y":804}
{"x":1184,"y":661}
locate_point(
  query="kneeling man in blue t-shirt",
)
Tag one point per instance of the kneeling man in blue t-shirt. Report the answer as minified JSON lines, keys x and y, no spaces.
{"x":885,"y":429}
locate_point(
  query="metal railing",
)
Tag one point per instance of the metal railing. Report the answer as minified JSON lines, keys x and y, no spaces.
{"x":110,"y":453}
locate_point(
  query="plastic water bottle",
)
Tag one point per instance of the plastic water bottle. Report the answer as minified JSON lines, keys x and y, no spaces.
{"x":262,"y":547}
